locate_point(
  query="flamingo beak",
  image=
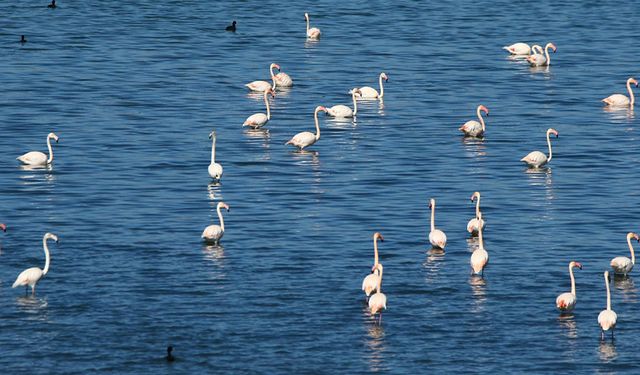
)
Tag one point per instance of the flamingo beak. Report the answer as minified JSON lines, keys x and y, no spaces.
{"x":579,"y":265}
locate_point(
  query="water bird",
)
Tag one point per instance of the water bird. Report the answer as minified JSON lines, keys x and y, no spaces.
{"x":213,"y":233}
{"x":539,"y":59}
{"x":306,"y":139}
{"x":567,"y":301}
{"x":342,"y":111}
{"x":3,"y":227}
{"x":170,"y":357}
{"x":281,"y":79}
{"x":31,"y":276}
{"x":367,"y":92}
{"x":476,"y":222}
{"x":378,"y":301}
{"x":258,"y":120}
{"x":480,"y":256}
{"x":370,"y":282}
{"x":22,"y":39}
{"x":261,"y":86}
{"x":619,"y":100}
{"x":624,"y":265}
{"x":436,"y":236}
{"x":537,"y":159}
{"x":37,"y":157}
{"x":231,"y":27}
{"x":607,"y":318}
{"x":215,"y":169}
{"x":474,"y":128}
{"x":518,"y":49}
{"x":52,"y":5}
{"x":314,"y":32}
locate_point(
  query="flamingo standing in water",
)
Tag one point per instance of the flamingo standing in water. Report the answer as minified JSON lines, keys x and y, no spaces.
{"x":341,"y":111}
{"x":539,"y":59}
{"x":567,"y":301}
{"x":367,"y":92}
{"x":261,"y":86}
{"x":306,"y":139}
{"x":378,"y":301}
{"x":31,"y":276}
{"x":619,"y":100}
{"x":314,"y":32}
{"x":281,"y":79}
{"x":3,"y":227}
{"x":474,"y":128}
{"x":213,"y":233}
{"x":258,"y":120}
{"x":537,"y":159}
{"x":607,"y":318}
{"x":624,"y":265}
{"x":37,"y":157}
{"x":215,"y":169}
{"x":436,"y":236}
{"x":370,"y":283}
{"x":476,"y":222}
{"x":518,"y":49}
{"x":480,"y":256}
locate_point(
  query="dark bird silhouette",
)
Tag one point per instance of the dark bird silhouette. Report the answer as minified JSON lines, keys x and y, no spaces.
{"x":232,"y":27}
{"x":22,"y":39}
{"x":52,"y":5}
{"x":170,"y":357}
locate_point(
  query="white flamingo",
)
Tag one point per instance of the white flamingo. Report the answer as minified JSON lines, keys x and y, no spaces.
{"x":537,"y":159}
{"x":213,"y":233}
{"x":261,"y":86}
{"x":518,"y":49}
{"x":607,"y":318}
{"x":619,"y":100}
{"x":476,"y":222}
{"x":436,"y":236}
{"x":215,"y":169}
{"x":37,"y":157}
{"x":281,"y":79}
{"x":367,"y":92}
{"x":474,"y":128}
{"x":258,"y":120}
{"x":314,"y":32}
{"x":370,"y":282}
{"x":3,"y":227}
{"x":480,"y":256}
{"x":624,"y":265}
{"x":341,"y":111}
{"x":306,"y":139}
{"x":31,"y":276}
{"x":539,"y":59}
{"x":537,"y":49}
{"x":567,"y":301}
{"x":378,"y":301}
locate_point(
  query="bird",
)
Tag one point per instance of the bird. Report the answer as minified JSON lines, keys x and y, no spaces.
{"x":472,"y":226}
{"x":480,"y":256}
{"x":619,"y":100}
{"x":170,"y":357}
{"x":518,"y":49}
{"x":281,"y":79}
{"x":342,"y":111}
{"x":537,"y":159}
{"x":37,"y":157}
{"x":607,"y":318}
{"x":378,"y":301}
{"x":539,"y":59}
{"x":258,"y":120}
{"x":314,"y":32}
{"x":231,"y":27}
{"x":261,"y":86}
{"x":306,"y":139}
{"x":23,"y":40}
{"x":624,"y":265}
{"x":567,"y":301}
{"x":536,"y":48}
{"x":213,"y":233}
{"x":474,"y":128}
{"x":436,"y":236}
{"x":367,"y":92}
{"x":215,"y":169}
{"x":370,"y":282}
{"x":31,"y":276}
{"x":52,"y":5}
{"x":3,"y":227}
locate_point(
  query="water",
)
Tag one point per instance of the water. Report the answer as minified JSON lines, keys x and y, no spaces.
{"x":133,"y":90}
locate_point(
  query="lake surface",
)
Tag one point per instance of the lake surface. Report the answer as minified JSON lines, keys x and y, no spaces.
{"x":134,"y":88}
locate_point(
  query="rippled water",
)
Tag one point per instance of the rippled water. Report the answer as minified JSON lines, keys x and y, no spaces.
{"x":134,"y":88}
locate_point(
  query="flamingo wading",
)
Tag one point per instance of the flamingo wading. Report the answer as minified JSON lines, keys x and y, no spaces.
{"x":367,"y":92}
{"x":378,"y":301}
{"x":476,"y":222}
{"x":306,"y":139}
{"x":342,"y":111}
{"x":539,"y":59}
{"x":258,"y":120}
{"x":518,"y":49}
{"x":370,"y":282}
{"x":607,"y":318}
{"x":314,"y":32}
{"x":31,"y":276}
{"x":480,"y":256}
{"x":436,"y":236}
{"x":281,"y":79}
{"x":624,"y":265}
{"x":619,"y":100}
{"x":213,"y":233}
{"x":567,"y":301}
{"x":215,"y":169}
{"x":537,"y":159}
{"x":37,"y":157}
{"x":474,"y":128}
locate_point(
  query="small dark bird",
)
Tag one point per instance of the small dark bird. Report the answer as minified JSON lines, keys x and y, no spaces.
{"x":52,"y":5}
{"x":22,"y":39}
{"x":232,"y":27}
{"x":170,"y":357}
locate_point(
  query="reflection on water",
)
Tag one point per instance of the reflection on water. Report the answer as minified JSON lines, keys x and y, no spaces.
{"x":474,"y":147}
{"x":478,"y":291}
{"x":311,"y":43}
{"x":37,"y":173}
{"x":568,"y":324}
{"x":607,"y":351}
{"x":376,"y":347}
{"x":542,"y":177}
{"x":213,"y":191}
{"x":304,"y":157}
{"x":341,"y":122}
{"x":262,"y":134}
{"x":433,"y":263}
{"x":619,"y":113}
{"x":255,"y":95}
{"x":283,"y":91}
{"x":215,"y":254}
{"x":472,"y":243}
{"x":627,"y":289}
{"x":33,"y":306}
{"x":540,"y":70}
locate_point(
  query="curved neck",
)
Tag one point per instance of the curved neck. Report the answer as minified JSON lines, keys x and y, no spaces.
{"x":47,"y":257}
{"x":271,"y":71}
{"x":375,"y":251}
{"x":315,"y":117}
{"x":481,"y":119}
{"x":549,"y":144}
{"x":433,"y":216}
{"x":266,"y":102}
{"x":573,"y":280}
{"x":220,"y":218}
{"x":606,"y":281}
{"x":355,"y":103}
{"x":213,"y":150}
{"x":631,"y":97}
{"x":633,"y":253}
{"x":307,"y":18}
{"x":381,"y":87}
{"x":50,"y":150}
{"x":478,"y":206}
{"x":546,"y":53}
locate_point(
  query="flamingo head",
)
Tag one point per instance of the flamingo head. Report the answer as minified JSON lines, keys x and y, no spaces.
{"x":576,"y":264}
{"x":432,"y":203}
{"x":634,"y":236}
{"x":484,"y":109}
{"x":306,"y":16}
{"x":632,"y":80}
{"x":51,"y":236}
{"x":276,"y":66}
{"x":378,"y":236}
{"x":552,"y":46}
{"x":212,"y":135}
{"x":384,"y":76}
{"x":270,"y":91}
{"x":474,"y":196}
{"x":554,"y":132}
{"x":356,"y":91}
{"x":3,"y":227}
{"x":320,"y":108}
{"x":54,"y":136}
{"x":224,"y":205}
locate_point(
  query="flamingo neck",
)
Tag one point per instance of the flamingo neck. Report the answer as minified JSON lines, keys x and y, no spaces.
{"x":213,"y":150}
{"x":315,"y":117}
{"x":546,"y":53}
{"x":480,"y":118}
{"x":266,"y":102}
{"x":381,"y":86}
{"x":380,"y":281}
{"x":433,"y":217}
{"x":549,"y":144}
{"x":307,"y":18}
{"x":273,"y":77}
{"x":573,"y":280}
{"x":220,"y":218}
{"x":47,"y":257}
{"x":606,"y":281}
{"x":480,"y":238}
{"x":375,"y":251}
{"x":50,"y":150}
{"x":631,"y":97}
{"x":633,"y":253}
{"x":478,"y":207}
{"x":355,"y":103}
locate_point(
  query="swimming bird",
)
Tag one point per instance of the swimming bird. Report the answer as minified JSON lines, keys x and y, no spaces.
{"x":473,"y":224}
{"x":3,"y":227}
{"x":537,"y":159}
{"x":367,"y":92}
{"x":607,"y":318}
{"x":37,"y":157}
{"x":539,"y":59}
{"x":261,"y":86}
{"x":518,"y":49}
{"x":619,"y":100}
{"x":281,"y":79}
{"x":52,"y":5}
{"x":306,"y":139}
{"x":231,"y":27}
{"x":567,"y":301}
{"x":624,"y":265}
{"x":215,"y":169}
{"x":170,"y":357}
{"x":213,"y":233}
{"x":378,"y":301}
{"x":314,"y":32}
{"x":23,"y":40}
{"x":31,"y":276}
{"x":342,"y":111}
{"x":436,"y":236}
{"x":474,"y":128}
{"x":480,"y":256}
{"x":370,"y":282}
{"x":258,"y":120}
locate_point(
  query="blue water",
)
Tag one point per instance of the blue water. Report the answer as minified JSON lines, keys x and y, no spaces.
{"x":134,"y":88}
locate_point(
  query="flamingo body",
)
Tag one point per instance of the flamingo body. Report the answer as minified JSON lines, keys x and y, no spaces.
{"x":479,"y":260}
{"x":621,"y":265}
{"x":33,"y":158}
{"x":213,"y":233}
{"x":474,"y":224}
{"x":340,"y":110}
{"x":370,"y":283}
{"x":367,"y":92}
{"x":313,"y":32}
{"x":472,"y":128}
{"x":619,"y":100}
{"x":377,"y":303}
{"x":283,"y":80}
{"x":256,"y":120}
{"x":607,"y":319}
{"x":306,"y":139}
{"x":535,"y":159}
{"x":518,"y":49}
{"x":566,"y":302}
{"x":539,"y":59}
{"x":438,"y":238}
{"x":215,"y":171}
{"x":29,"y":277}
{"x":259,"y":86}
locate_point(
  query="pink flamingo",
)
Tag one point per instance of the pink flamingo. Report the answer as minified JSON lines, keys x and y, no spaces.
{"x":258,"y":120}
{"x":281,"y":79}
{"x":3,"y":227}
{"x":480,"y":256}
{"x":567,"y":301}
{"x":31,"y":276}
{"x":370,"y":283}
{"x":518,"y":49}
{"x":476,"y":222}
{"x":306,"y":139}
{"x":542,"y":60}
{"x":436,"y":236}
{"x":367,"y":92}
{"x":378,"y":301}
{"x":537,"y":159}
{"x":624,"y":265}
{"x":314,"y":32}
{"x":474,"y":128}
{"x":213,"y":233}
{"x":619,"y":100}
{"x":607,"y":318}
{"x":342,"y":111}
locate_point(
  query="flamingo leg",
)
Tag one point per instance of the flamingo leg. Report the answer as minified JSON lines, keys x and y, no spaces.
{"x":380,"y":319}
{"x":33,"y":290}
{"x":601,"y":335}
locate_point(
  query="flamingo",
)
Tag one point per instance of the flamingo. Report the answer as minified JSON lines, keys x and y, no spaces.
{"x":261,"y":86}
{"x":3,"y":227}
{"x":436,"y":236}
{"x":607,"y":318}
{"x":370,"y":283}
{"x":314,"y":32}
{"x":472,"y":226}
{"x":518,"y":49}
{"x":367,"y":92}
{"x":537,"y":159}
{"x":213,"y":233}
{"x":31,"y":276}
{"x":257,"y":120}
{"x":624,"y":265}
{"x":281,"y":79}
{"x":537,"y":49}
{"x":474,"y":128}
{"x":619,"y":100}
{"x":542,"y":60}
{"x":480,"y":256}
{"x":341,"y":111}
{"x":378,"y":301}
{"x":567,"y":301}
{"x":37,"y":157}
{"x":215,"y":169}
{"x":306,"y":139}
